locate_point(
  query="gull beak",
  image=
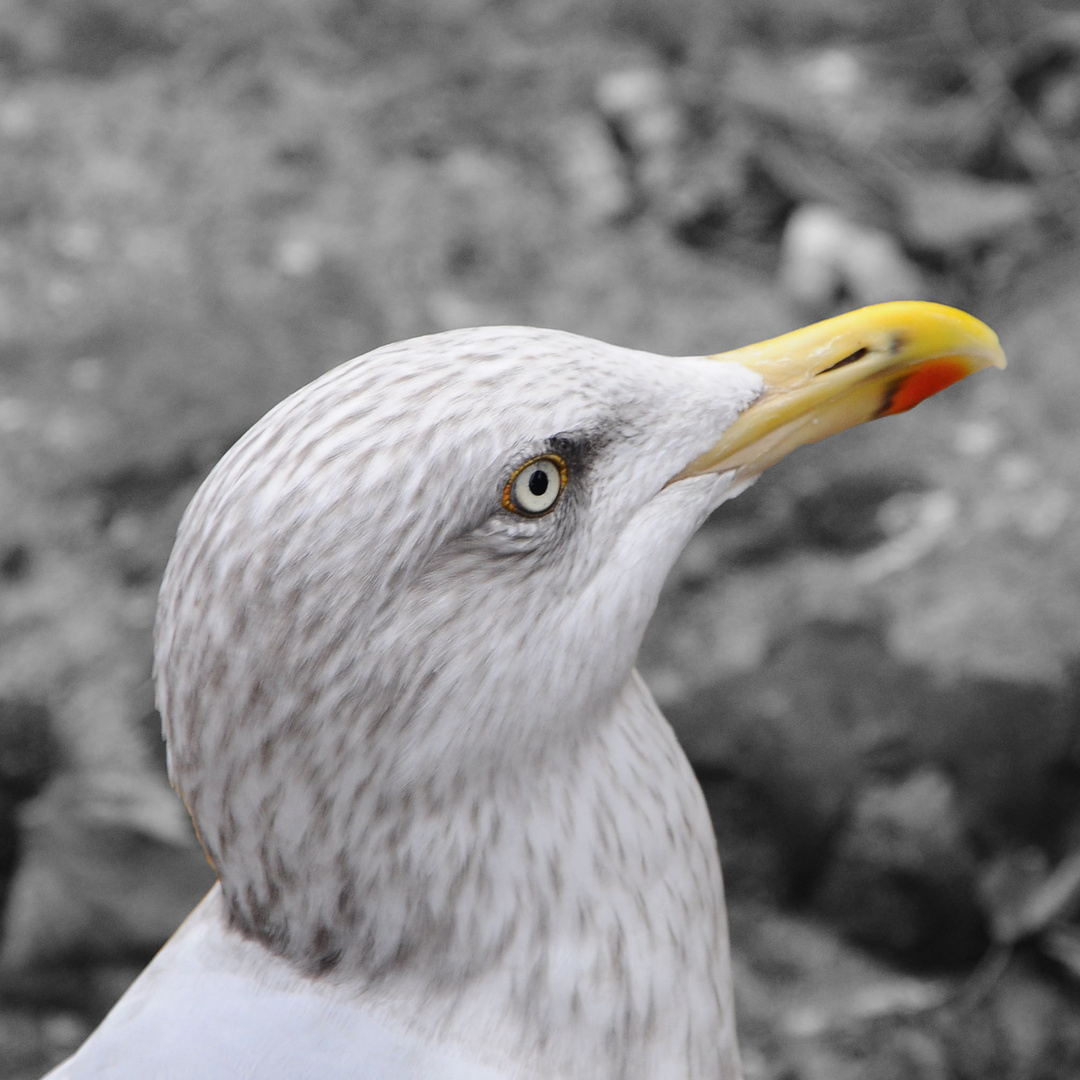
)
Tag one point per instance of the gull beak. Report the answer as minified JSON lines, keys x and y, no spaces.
{"x":836,"y":374}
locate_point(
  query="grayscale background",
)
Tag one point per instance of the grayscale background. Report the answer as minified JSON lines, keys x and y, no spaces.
{"x":873,"y":657}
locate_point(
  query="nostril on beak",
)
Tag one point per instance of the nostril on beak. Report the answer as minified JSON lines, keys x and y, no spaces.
{"x":858,"y":354}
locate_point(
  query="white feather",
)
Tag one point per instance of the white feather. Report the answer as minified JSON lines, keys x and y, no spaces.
{"x":214,"y":1006}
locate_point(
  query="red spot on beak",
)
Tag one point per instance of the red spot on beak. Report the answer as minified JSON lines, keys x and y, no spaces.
{"x":922,"y":383}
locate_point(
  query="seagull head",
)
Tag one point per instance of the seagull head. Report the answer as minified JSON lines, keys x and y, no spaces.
{"x":413,"y":593}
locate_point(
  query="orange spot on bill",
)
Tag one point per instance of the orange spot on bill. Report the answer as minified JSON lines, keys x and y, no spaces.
{"x":924,"y":382}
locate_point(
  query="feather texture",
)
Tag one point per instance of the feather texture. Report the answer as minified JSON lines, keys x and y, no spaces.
{"x":455,"y":836}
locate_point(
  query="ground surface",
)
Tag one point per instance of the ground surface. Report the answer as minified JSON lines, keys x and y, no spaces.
{"x":872,"y":657}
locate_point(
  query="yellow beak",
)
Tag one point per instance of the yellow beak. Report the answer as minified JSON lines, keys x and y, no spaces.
{"x":836,"y":374}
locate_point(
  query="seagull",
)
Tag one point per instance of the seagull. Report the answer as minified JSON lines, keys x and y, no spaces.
{"x":455,"y":838}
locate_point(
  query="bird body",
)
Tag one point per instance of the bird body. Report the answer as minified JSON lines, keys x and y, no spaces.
{"x":217,"y":1006}
{"x":455,"y":837}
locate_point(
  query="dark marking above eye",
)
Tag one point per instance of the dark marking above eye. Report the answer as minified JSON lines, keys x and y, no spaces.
{"x":577,"y":447}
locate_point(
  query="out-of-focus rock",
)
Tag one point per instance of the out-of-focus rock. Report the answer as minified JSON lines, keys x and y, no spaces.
{"x":1045,"y":73}
{"x":950,"y":213}
{"x":900,"y":878}
{"x":826,"y":258}
{"x":28,"y":749}
{"x":31,"y":1041}
{"x":814,"y":113}
{"x":794,"y":751}
{"x":593,"y":173}
{"x":800,"y":730}
{"x":813,"y":1007}
{"x":98,"y":879}
{"x":641,"y":108}
{"x":1059,"y":100}
{"x":802,"y":993}
{"x":1029,"y":1018}
{"x":915,"y":523}
{"x":639,"y":101}
{"x":28,"y":755}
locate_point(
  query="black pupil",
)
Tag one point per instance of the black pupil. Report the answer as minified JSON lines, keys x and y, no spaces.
{"x":538,"y":482}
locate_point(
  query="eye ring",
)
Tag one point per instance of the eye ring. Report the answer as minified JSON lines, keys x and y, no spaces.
{"x":534,"y":487}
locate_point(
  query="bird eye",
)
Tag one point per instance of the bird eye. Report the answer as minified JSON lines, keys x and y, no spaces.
{"x":534,"y":488}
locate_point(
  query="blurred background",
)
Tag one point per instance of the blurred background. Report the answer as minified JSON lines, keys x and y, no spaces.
{"x":872,"y":657}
